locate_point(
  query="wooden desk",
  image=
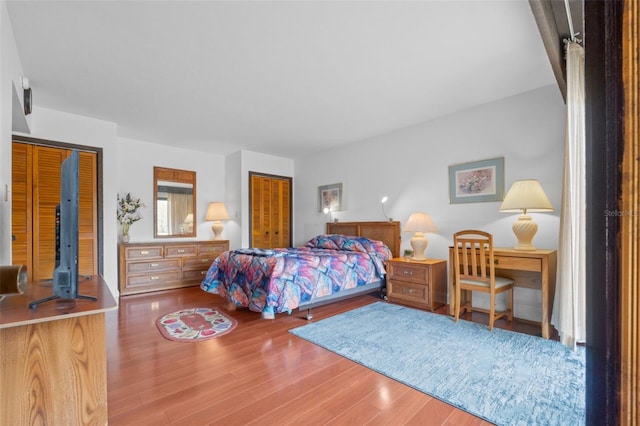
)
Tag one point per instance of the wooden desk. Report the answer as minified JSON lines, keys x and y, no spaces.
{"x":54,"y":359}
{"x":531,"y":269}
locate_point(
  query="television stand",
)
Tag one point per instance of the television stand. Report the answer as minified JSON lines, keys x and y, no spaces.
{"x":34,"y":304}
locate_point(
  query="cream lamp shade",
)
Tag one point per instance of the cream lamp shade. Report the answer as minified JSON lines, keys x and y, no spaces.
{"x":217,"y":212}
{"x":419,"y":223}
{"x":525,"y":196}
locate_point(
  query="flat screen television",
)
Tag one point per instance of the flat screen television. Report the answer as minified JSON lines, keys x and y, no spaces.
{"x":65,"y":274}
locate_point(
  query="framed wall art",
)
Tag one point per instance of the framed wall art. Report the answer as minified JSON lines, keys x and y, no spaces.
{"x":478,"y":181}
{"x":330,"y":196}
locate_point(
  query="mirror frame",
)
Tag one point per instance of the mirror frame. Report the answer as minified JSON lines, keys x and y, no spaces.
{"x":178,"y":176}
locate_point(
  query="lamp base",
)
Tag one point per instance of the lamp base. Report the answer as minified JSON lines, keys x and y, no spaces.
{"x":525,"y":229}
{"x":419,"y":245}
{"x":217,"y":229}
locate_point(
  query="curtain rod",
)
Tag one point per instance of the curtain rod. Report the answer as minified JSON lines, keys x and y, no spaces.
{"x":572,"y":34}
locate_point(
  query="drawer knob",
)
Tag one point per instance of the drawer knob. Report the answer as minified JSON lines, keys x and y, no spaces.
{"x":180,"y":250}
{"x":203,"y":272}
{"x":407,"y":272}
{"x":407,"y":290}
{"x":153,"y":265}
{"x":154,"y":278}
{"x":144,"y":252}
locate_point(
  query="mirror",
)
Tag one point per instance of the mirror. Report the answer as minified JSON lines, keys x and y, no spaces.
{"x":174,"y":203}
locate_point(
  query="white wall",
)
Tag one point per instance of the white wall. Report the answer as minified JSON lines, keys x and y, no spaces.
{"x":10,"y":72}
{"x":410,"y":166}
{"x":134,"y":163}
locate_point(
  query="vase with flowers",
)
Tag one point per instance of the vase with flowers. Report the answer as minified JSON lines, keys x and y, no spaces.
{"x":128,"y":207}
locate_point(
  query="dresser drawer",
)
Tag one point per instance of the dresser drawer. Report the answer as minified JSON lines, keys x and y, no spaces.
{"x":404,"y":291}
{"x":135,"y":253}
{"x":194,"y":275}
{"x":197,"y":263}
{"x":212,"y":250}
{"x":153,"y":266}
{"x":181,"y":251}
{"x":408,"y":272}
{"x":152,"y":279}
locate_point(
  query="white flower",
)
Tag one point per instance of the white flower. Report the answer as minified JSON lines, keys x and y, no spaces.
{"x":128,"y":209}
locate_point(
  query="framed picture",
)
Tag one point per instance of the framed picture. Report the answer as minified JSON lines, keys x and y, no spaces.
{"x":330,"y":196}
{"x":478,"y":181}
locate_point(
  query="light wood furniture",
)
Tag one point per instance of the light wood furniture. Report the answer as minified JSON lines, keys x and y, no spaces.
{"x":270,"y":209}
{"x":474,"y":270}
{"x":418,"y":283}
{"x":54,"y":359}
{"x":35,"y":186}
{"x":157,"y":266}
{"x":530,"y":269}
{"x":387,"y":232}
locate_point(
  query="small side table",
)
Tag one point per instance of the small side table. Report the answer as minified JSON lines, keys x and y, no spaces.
{"x":418,"y":283}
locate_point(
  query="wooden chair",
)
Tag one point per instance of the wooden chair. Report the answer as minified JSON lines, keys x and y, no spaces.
{"x":475,"y":271}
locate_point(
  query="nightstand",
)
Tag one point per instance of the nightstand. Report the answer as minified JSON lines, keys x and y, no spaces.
{"x":418,"y":283}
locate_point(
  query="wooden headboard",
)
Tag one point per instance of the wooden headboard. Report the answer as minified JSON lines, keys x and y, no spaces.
{"x":387,"y":232}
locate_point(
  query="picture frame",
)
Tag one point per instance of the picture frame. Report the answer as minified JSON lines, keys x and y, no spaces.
{"x":330,"y":196}
{"x":477,"y":181}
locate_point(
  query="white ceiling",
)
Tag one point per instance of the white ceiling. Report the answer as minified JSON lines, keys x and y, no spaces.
{"x":281,"y":77}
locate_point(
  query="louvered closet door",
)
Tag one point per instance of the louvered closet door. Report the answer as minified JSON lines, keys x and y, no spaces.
{"x":280,"y":213}
{"x":260,"y":211}
{"x":21,"y":207}
{"x":34,"y":205}
{"x":270,"y":211}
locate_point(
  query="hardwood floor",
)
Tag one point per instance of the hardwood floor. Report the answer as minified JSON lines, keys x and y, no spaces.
{"x":257,"y":374}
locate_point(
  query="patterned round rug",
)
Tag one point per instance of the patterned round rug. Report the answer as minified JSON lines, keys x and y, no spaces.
{"x":195,"y":324}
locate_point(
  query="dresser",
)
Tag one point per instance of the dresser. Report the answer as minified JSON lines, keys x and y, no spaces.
{"x":157,"y":266}
{"x":418,"y":283}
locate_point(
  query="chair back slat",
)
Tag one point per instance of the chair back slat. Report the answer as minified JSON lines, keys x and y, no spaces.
{"x":473,"y":256}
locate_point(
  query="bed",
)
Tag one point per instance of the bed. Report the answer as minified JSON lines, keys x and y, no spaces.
{"x":348,"y":260}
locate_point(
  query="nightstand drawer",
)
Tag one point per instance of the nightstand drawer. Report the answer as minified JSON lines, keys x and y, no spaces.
{"x":408,"y":292}
{"x":406,"y":271}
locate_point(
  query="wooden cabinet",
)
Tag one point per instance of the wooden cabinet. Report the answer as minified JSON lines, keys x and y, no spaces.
{"x":54,"y":358}
{"x":418,"y":283}
{"x":148,"y":267}
{"x":270,"y":209}
{"x":35,"y":172}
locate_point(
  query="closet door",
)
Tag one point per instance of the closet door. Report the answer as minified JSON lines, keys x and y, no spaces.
{"x":280,"y":213}
{"x":21,"y":207}
{"x":260,"y":211}
{"x":270,"y":209}
{"x":36,"y":193}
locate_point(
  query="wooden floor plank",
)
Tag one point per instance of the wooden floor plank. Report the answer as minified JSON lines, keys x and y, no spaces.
{"x":257,"y":374}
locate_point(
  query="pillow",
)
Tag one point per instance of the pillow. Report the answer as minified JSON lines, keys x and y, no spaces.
{"x":350,"y":243}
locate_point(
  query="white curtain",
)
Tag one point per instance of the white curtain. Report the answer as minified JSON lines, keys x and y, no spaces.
{"x":568,"y":315}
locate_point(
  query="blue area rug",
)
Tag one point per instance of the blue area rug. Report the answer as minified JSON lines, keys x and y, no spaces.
{"x":503,"y":377}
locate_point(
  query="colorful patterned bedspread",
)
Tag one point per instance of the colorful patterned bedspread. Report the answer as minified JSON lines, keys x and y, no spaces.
{"x":279,"y":280}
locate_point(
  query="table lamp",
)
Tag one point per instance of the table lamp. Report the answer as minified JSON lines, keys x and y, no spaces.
{"x":217,"y":212}
{"x":525,"y":196}
{"x":419,"y":223}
